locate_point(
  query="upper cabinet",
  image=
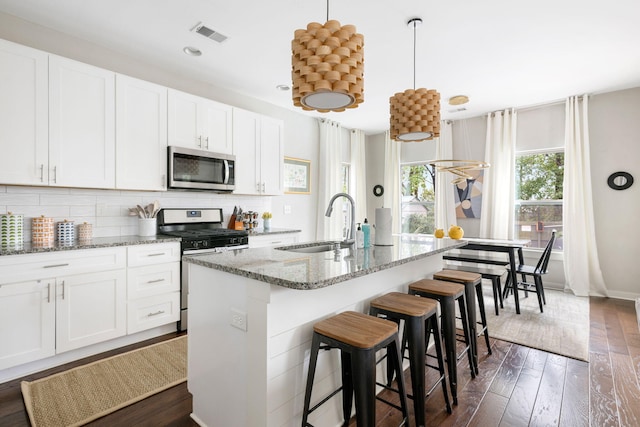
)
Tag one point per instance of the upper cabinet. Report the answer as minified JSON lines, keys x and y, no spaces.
{"x":141,"y":133}
{"x":24,"y":124}
{"x":259,"y":149}
{"x":81,"y":125}
{"x":200,"y":123}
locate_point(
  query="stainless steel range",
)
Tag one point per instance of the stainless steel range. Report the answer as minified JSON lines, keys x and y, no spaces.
{"x":201,"y":231}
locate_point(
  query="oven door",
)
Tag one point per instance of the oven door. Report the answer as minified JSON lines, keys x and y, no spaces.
{"x":200,"y":170}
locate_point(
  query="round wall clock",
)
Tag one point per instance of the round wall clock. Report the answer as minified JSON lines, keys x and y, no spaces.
{"x":620,"y":180}
{"x":378,"y":190}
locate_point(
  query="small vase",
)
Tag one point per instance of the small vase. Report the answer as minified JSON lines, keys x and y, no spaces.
{"x":146,"y":226}
{"x":267,"y":224}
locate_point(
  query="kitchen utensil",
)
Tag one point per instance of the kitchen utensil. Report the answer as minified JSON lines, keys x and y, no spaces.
{"x":232,"y":220}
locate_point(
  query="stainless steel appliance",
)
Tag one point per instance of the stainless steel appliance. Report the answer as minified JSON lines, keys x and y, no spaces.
{"x":200,"y":170}
{"x":201,"y":231}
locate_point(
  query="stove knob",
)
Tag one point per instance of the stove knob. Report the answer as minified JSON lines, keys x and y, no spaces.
{"x":205,"y":243}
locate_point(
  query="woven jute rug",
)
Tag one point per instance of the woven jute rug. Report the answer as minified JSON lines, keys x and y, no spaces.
{"x":563,"y":327}
{"x":88,"y":392}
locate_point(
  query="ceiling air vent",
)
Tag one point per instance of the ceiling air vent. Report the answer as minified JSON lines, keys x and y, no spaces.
{"x":457,"y":110}
{"x":209,"y":33}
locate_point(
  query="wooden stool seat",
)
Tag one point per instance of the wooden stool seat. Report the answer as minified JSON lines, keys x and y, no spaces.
{"x":356,"y":329}
{"x":438,"y":287}
{"x":405,"y":304}
{"x":457,"y":276}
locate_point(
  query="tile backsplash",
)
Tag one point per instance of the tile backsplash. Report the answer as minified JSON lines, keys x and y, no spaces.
{"x":108,"y":210}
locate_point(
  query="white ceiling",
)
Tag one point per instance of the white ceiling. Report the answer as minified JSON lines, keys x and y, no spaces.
{"x":500,"y":53}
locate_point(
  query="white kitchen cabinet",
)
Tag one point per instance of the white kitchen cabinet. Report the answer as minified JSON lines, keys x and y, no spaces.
{"x":267,"y":240}
{"x":259,"y":149}
{"x":24,"y":128}
{"x":141,"y":135}
{"x":81,"y":125}
{"x":199,"y":123}
{"x":153,"y":286}
{"x":90,"y":308}
{"x":27,"y":316}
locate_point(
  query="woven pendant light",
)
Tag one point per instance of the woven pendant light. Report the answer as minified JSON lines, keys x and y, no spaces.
{"x":415,"y":113}
{"x":327,"y":66}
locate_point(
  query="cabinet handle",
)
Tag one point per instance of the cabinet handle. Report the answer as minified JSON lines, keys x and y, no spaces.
{"x":258,"y":187}
{"x":276,"y":242}
{"x":63,"y":289}
{"x":206,"y":140}
{"x":156,"y":313}
{"x":161,"y":253}
{"x":263,"y":187}
{"x":55,"y":174}
{"x":48,"y":293}
{"x":156,"y":281}
{"x":200,"y":141}
{"x":56,"y":265}
{"x":42,"y":172}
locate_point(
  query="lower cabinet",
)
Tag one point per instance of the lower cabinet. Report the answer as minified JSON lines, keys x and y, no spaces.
{"x":267,"y":240}
{"x":79,"y":298}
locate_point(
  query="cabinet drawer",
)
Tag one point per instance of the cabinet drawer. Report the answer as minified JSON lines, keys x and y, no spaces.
{"x":153,"y":254}
{"x":147,"y":313}
{"x":17,"y":268}
{"x":152,"y":280}
{"x":272,"y":240}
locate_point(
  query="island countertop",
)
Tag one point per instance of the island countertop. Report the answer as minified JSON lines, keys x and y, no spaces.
{"x":306,"y":271}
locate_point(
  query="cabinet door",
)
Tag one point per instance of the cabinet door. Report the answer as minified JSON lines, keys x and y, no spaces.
{"x":90,"y":308}
{"x":141,"y":135}
{"x":82,"y":125}
{"x":24,"y":115}
{"x":216,"y":127}
{"x":27,"y":316}
{"x":183,"y":120}
{"x":272,"y":156}
{"x":246,"y":134}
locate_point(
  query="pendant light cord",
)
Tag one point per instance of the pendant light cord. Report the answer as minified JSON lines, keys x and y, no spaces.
{"x":327,"y":11}
{"x":414,"y":55}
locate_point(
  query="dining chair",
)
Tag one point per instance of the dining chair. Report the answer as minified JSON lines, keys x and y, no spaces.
{"x":536,"y":272}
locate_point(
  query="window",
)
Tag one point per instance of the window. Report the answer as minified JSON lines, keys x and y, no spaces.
{"x":538,"y":201}
{"x":418,"y":198}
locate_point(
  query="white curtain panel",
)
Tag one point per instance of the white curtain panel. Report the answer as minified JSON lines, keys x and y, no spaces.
{"x":329,"y":182}
{"x":498,"y":190}
{"x":445,"y":205}
{"x":581,"y":265}
{"x":358,"y":174}
{"x":392,"y":190}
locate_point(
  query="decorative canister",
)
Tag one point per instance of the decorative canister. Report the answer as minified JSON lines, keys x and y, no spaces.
{"x":85,"y":232}
{"x":66,"y":232}
{"x":146,"y":226}
{"x":42,"y":234}
{"x":11,"y":227}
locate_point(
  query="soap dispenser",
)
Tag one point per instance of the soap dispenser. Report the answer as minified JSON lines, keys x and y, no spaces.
{"x":366,"y":230}
{"x":359,"y":237}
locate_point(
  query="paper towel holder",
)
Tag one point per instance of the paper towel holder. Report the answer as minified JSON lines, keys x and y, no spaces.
{"x":378,"y":190}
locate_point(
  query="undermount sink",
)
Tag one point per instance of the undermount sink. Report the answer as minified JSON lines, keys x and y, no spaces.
{"x":311,"y":248}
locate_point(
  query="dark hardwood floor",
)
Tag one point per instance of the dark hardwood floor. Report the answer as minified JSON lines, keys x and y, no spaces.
{"x":517,"y":386}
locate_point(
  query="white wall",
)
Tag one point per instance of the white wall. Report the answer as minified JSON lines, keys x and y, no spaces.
{"x":300,"y":131}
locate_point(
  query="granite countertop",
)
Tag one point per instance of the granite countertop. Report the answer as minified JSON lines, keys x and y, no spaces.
{"x":96,"y":242}
{"x":272,"y":230}
{"x":303,"y":271}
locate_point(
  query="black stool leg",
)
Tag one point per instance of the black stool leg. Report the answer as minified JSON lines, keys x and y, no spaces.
{"x":394,"y":348}
{"x":496,"y":299}
{"x":417,"y":348}
{"x":347,"y":386}
{"x":449,"y":332}
{"x":483,"y":318}
{"x":467,"y":338}
{"x":432,"y":326}
{"x":313,"y":360}
{"x":363,"y":362}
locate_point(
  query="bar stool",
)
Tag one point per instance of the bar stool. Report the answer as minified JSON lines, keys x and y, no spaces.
{"x":447,"y":293}
{"x":420,"y":316}
{"x":358,"y":337}
{"x":471,"y":282}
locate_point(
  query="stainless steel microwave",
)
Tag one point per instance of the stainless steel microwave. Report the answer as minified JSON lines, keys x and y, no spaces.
{"x":200,"y":170}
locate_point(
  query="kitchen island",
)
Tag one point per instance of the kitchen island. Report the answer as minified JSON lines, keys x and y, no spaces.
{"x":251,"y":317}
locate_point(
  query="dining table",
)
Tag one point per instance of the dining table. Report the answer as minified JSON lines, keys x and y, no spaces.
{"x":513,"y":248}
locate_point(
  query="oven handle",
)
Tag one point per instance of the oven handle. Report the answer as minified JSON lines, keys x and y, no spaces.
{"x":226,"y":171}
{"x":214,"y":250}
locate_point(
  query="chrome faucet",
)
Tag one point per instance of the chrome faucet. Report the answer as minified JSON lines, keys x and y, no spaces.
{"x":352,"y":229}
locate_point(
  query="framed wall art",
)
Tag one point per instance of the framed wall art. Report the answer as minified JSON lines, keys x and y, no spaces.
{"x":297,"y":176}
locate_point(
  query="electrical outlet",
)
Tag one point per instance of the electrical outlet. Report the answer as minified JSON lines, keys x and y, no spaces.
{"x":238,"y":319}
{"x":287,"y":209}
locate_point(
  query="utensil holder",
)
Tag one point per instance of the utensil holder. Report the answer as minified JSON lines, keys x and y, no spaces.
{"x":146,"y":226}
